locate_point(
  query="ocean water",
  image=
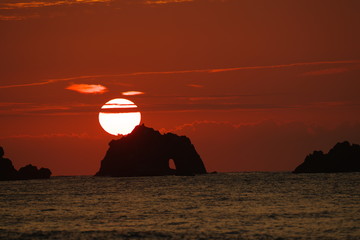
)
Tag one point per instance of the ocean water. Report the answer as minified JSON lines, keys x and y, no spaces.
{"x":213,"y":206}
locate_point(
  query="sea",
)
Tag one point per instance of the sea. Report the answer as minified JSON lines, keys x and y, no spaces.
{"x":249,"y":205}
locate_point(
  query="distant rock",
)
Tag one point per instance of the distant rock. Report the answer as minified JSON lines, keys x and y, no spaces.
{"x":32,"y":172}
{"x":343,"y":157}
{"x":8,"y":172}
{"x":147,"y":152}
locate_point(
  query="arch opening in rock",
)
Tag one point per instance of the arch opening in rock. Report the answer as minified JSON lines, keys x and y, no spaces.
{"x":172,"y":165}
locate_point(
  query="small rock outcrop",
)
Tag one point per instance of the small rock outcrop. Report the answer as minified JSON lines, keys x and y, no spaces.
{"x":8,"y":172}
{"x":32,"y":172}
{"x":147,"y":152}
{"x":343,"y":157}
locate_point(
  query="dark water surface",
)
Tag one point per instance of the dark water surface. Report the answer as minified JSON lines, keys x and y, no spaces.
{"x":214,"y":206}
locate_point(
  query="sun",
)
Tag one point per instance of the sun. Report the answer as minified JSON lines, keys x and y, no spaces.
{"x":119,"y":116}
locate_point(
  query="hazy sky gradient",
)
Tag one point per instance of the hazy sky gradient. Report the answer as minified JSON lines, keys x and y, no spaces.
{"x":256,"y":85}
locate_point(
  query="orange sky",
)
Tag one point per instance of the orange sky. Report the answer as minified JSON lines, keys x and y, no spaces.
{"x":256,"y":85}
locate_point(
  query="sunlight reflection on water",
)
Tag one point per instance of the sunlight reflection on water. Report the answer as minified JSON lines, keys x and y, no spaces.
{"x":214,"y":206}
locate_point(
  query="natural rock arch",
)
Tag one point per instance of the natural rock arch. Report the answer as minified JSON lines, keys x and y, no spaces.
{"x":146,"y":152}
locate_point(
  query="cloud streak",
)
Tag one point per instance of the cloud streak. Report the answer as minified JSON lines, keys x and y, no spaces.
{"x":208,"y":71}
{"x":16,"y":17}
{"x":88,"y":88}
{"x":132,"y":93}
{"x":50,"y":135}
{"x":328,"y":71}
{"x":39,"y":4}
{"x":162,"y":2}
{"x":7,"y":104}
{"x":196,"y":105}
{"x":42,"y":4}
{"x":195,"y":85}
{"x":285,"y":65}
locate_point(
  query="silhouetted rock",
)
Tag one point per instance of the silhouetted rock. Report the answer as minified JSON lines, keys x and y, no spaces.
{"x":343,"y":157}
{"x":8,"y":172}
{"x":32,"y":172}
{"x":44,"y":173}
{"x":146,"y":152}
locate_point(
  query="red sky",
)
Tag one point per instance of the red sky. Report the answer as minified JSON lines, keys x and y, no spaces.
{"x":256,"y":85}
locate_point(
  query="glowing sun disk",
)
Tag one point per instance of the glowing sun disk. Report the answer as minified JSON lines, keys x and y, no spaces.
{"x":119,"y":123}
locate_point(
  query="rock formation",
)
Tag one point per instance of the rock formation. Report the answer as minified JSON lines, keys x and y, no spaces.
{"x":8,"y":172}
{"x":32,"y":172}
{"x":147,"y":152}
{"x":343,"y":157}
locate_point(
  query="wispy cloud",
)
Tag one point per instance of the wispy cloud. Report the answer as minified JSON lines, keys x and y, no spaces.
{"x":161,"y":2}
{"x":45,"y":82}
{"x":195,"y":85}
{"x":16,"y":17}
{"x":132,"y":93}
{"x":332,"y":104}
{"x":285,"y":65}
{"x":38,"y":4}
{"x":195,"y":105}
{"x":209,"y":71}
{"x":7,"y":104}
{"x":47,"y":109}
{"x":328,"y":71}
{"x":212,"y":98}
{"x":211,"y":106}
{"x":68,"y":109}
{"x":49,"y":135}
{"x":40,"y":108}
{"x":87,"y":88}
{"x":192,"y":125}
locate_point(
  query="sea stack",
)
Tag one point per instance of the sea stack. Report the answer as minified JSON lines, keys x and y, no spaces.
{"x":343,"y":157}
{"x":8,"y":172}
{"x":147,"y":152}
